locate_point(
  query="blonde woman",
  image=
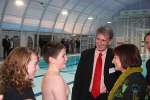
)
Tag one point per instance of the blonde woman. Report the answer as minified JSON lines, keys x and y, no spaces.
{"x":17,"y":74}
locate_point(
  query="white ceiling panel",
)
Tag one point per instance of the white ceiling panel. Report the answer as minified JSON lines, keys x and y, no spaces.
{"x":58,"y":3}
{"x":2,"y":5}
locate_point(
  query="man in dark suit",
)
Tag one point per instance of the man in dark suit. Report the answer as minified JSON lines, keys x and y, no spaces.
{"x":147,"y":44}
{"x":6,"y":46}
{"x":84,"y":77}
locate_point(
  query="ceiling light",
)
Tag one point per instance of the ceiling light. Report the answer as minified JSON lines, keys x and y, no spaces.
{"x":19,"y":2}
{"x":109,"y":22}
{"x":90,"y":18}
{"x":73,"y":34}
{"x":64,"y":12}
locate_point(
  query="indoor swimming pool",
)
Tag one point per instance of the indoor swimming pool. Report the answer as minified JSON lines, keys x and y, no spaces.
{"x":78,"y":25}
{"x":67,"y":73}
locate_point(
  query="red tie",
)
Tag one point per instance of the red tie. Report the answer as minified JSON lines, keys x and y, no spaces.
{"x":97,"y":77}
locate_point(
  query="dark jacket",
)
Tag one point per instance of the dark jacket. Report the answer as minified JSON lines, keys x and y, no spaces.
{"x":148,"y":71}
{"x":80,"y":90}
{"x":6,"y":43}
{"x":133,"y":88}
{"x":12,"y":94}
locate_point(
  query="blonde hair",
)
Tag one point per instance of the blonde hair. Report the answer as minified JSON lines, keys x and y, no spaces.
{"x":13,"y":72}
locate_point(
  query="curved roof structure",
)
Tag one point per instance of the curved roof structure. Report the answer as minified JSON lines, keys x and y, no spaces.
{"x":63,"y":16}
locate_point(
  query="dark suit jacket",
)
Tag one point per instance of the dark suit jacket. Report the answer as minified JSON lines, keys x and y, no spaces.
{"x":148,"y":71}
{"x":80,"y":90}
{"x":6,"y":43}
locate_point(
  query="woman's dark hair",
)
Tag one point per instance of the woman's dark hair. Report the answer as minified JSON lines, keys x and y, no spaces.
{"x":147,"y":34}
{"x":129,"y":55}
{"x":52,"y":49}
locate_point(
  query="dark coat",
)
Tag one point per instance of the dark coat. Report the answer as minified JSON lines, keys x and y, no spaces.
{"x":12,"y":94}
{"x":133,"y":88}
{"x":148,"y":71}
{"x":80,"y":90}
{"x":6,"y":43}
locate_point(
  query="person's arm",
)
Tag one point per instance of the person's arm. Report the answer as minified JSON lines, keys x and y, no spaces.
{"x":148,"y":72}
{"x":148,"y":75}
{"x":1,"y":97}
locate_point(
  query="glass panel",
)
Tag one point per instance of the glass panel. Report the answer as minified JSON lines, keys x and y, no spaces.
{"x":47,"y":24}
{"x":78,"y":28}
{"x":30,"y":24}
{"x":58,"y":27}
{"x":2,"y":5}
{"x":79,"y":24}
{"x":117,"y":6}
{"x":12,"y":9}
{"x":14,"y":13}
{"x":70,"y":22}
{"x":29,"y":28}
{"x":30,"y":21}
{"x":49,"y":16}
{"x":60,"y":22}
{"x":94,"y":27}
{"x":34,"y":11}
{"x":80,"y":6}
{"x":12,"y":19}
{"x":48,"y":20}
{"x":86,"y":27}
{"x":89,"y":9}
{"x":70,"y":4}
{"x":52,"y":9}
{"x":11,"y":22}
{"x":55,"y":3}
{"x":48,"y":27}
{"x":10,"y":26}
{"x":33,"y":14}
